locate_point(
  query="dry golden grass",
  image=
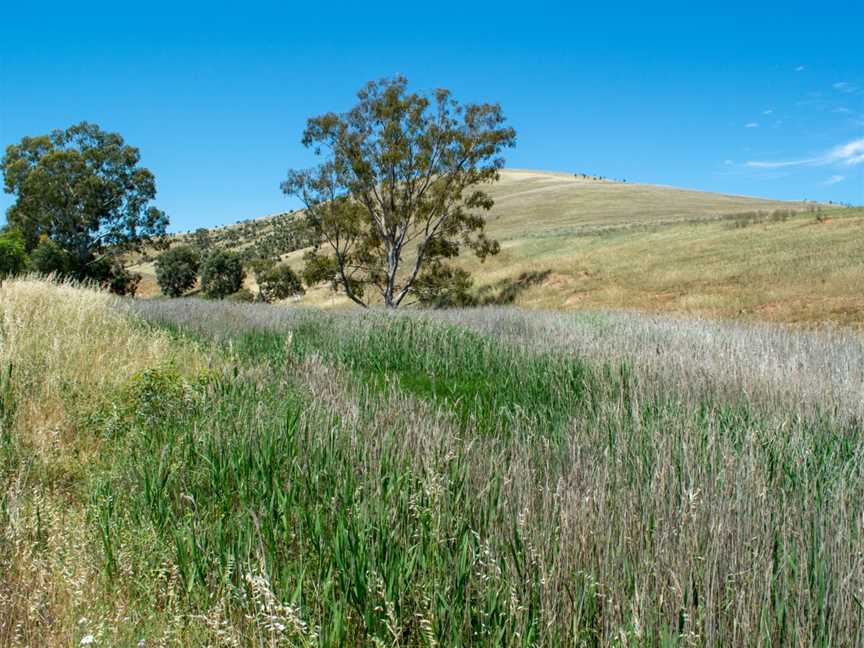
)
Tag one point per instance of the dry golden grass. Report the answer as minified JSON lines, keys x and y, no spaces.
{"x":66,"y":345}
{"x":798,"y":270}
{"x":64,"y":351}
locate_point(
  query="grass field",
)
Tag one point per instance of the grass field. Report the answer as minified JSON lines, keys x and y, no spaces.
{"x":660,"y":249}
{"x":192,"y":473}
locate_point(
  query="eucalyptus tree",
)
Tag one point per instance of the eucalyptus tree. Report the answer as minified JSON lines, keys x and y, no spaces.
{"x":82,"y":193}
{"x":177,"y":270}
{"x":399,"y":192}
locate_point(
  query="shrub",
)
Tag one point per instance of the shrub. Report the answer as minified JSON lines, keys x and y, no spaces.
{"x":442,"y":286}
{"x":244,"y":295}
{"x":279,"y":282}
{"x":177,"y":270}
{"x":13,"y":256}
{"x":120,"y":281}
{"x":222,"y":274}
{"x":50,"y":258}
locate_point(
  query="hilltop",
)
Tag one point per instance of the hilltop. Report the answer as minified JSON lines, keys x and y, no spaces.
{"x":574,"y":241}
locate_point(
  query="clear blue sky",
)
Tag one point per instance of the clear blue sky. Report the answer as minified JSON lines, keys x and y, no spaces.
{"x":765,"y":99}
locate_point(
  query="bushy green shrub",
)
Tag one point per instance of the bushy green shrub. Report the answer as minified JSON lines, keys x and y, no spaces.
{"x":442,"y":286}
{"x":110,"y":273}
{"x":13,"y":255}
{"x":119,"y":280}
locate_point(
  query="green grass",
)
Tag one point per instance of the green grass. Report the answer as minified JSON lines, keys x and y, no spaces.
{"x":389,"y":481}
{"x":282,"y":496}
{"x":250,"y":476}
{"x":489,"y":388}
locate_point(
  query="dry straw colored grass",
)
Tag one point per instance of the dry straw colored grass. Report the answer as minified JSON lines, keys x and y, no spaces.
{"x":661,"y":249}
{"x":64,"y":351}
{"x":65,"y":346}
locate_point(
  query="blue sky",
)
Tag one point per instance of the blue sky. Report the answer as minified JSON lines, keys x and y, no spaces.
{"x":765,"y":99}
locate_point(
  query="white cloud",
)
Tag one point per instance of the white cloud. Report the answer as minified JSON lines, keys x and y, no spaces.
{"x":768,"y":112}
{"x":800,"y":68}
{"x":834,"y":179}
{"x":756,"y":164}
{"x":751,"y":125}
{"x":848,"y":154}
{"x":728,"y":162}
{"x":846,"y":86}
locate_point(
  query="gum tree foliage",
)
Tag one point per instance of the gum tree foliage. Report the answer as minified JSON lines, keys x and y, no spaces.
{"x":177,"y":270}
{"x":279,"y":282}
{"x":83,"y":191}
{"x":398,"y":193}
{"x":222,"y":274}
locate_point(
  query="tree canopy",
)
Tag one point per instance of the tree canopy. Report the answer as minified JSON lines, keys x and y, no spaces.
{"x":177,"y":270}
{"x":398,"y":193}
{"x":222,"y":274}
{"x":279,"y":282}
{"x":83,"y":190}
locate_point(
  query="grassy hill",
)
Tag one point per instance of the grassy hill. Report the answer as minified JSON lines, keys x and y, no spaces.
{"x":597,"y":243}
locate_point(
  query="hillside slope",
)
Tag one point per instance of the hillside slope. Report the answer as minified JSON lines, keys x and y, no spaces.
{"x":596,"y":243}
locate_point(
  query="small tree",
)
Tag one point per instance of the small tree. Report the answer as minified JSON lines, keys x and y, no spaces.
{"x":279,"y":282}
{"x":177,"y":270}
{"x":82,"y":189}
{"x":398,"y":193}
{"x":13,"y":255}
{"x":222,"y":274}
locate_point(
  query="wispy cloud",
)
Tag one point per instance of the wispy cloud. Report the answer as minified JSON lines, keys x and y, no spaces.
{"x":757,"y":164}
{"x":751,"y":125}
{"x":848,"y":154}
{"x":800,"y":68}
{"x":768,"y":112}
{"x":834,"y":179}
{"x":851,"y":153}
{"x":847,"y":87}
